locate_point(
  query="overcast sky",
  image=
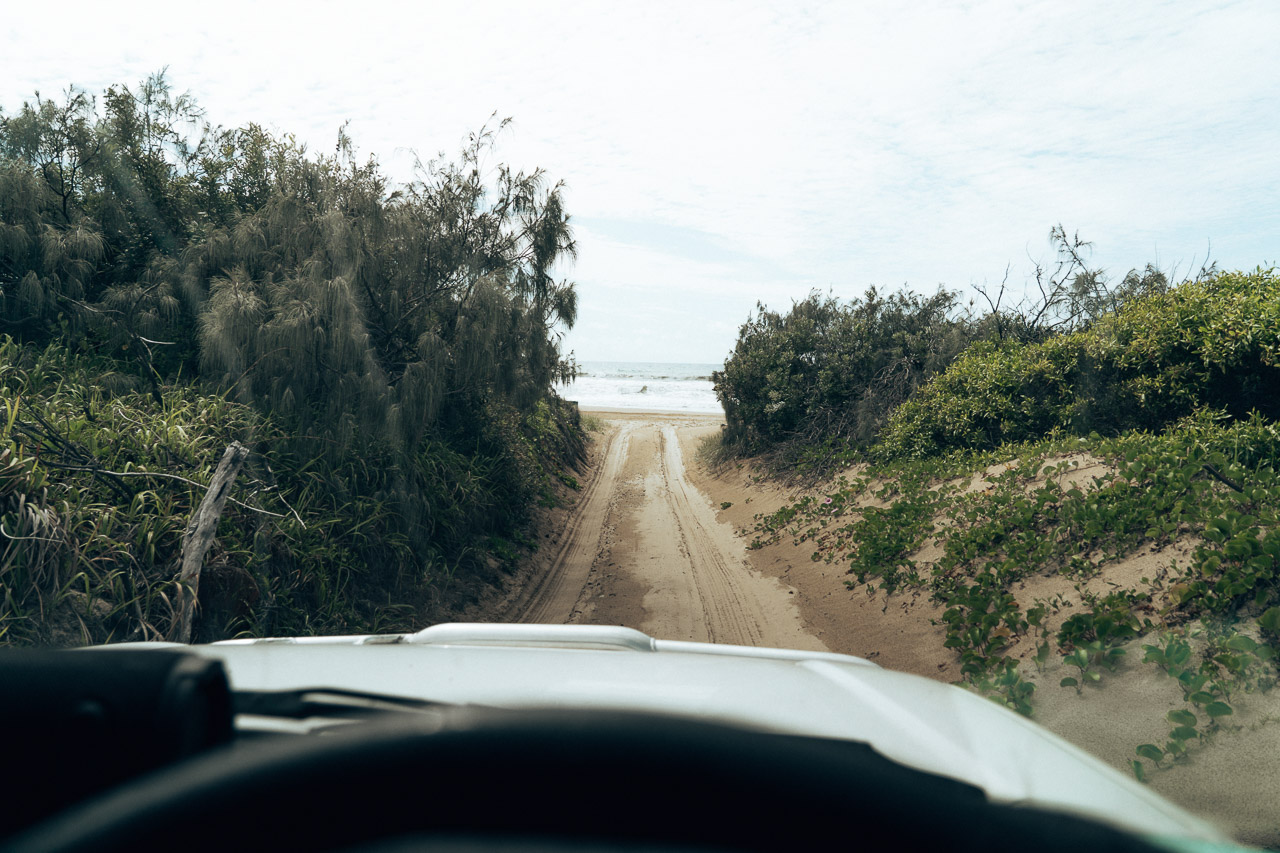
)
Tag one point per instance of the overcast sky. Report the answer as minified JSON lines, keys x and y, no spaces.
{"x":720,"y":154}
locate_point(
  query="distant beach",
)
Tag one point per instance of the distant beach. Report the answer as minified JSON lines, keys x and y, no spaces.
{"x":645,"y":386}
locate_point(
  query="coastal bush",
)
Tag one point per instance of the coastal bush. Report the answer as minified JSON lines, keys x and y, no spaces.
{"x":824,"y":376}
{"x":813,"y":389}
{"x":1211,"y":343}
{"x":392,"y":351}
{"x":992,"y":394}
{"x":96,"y":492}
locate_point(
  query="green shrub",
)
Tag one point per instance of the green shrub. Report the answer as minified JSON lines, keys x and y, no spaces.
{"x":389,"y":353}
{"x":1212,"y":343}
{"x":827,"y":373}
{"x":992,"y":394}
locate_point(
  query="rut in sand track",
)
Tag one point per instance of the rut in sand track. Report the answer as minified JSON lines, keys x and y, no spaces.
{"x":551,"y":598}
{"x":645,"y":549}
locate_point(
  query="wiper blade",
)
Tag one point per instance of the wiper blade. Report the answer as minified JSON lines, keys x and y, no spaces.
{"x":311,"y":701}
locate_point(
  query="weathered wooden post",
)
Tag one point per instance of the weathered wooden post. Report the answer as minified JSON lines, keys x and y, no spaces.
{"x":199,"y":536}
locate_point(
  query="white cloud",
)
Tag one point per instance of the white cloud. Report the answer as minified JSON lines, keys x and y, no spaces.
{"x":819,"y":144}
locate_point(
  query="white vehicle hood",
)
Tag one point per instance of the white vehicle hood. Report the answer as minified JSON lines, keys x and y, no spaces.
{"x":917,"y":722}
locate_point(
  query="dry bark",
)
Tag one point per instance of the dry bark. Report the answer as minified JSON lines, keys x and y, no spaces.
{"x":199,"y":536}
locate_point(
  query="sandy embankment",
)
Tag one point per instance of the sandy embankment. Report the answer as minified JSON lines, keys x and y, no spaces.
{"x":1233,"y":779}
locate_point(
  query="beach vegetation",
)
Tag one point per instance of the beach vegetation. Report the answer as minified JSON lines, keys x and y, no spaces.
{"x":712,"y":452}
{"x":821,"y":386}
{"x":1073,"y":508}
{"x":388,"y":353}
{"x":820,"y":379}
{"x":1210,"y":343}
{"x":1079,"y":432}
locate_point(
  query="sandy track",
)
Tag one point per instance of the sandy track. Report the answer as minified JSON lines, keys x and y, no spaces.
{"x":703,"y":587}
{"x":552,"y":596}
{"x":645,"y":549}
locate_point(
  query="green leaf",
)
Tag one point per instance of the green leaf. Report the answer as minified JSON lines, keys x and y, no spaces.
{"x":1068,"y":682}
{"x":1270,"y":620}
{"x":1138,"y":772}
{"x":1218,"y":709}
{"x":1241,"y":643}
{"x":1200,"y":697}
{"x":1192,"y":681}
{"x":1241,"y":546}
{"x":1183,"y":733}
{"x":1180,"y":717}
{"x":1152,"y":752}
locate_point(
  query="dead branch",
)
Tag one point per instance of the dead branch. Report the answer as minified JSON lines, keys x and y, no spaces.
{"x":1223,"y":478}
{"x":199,"y":536}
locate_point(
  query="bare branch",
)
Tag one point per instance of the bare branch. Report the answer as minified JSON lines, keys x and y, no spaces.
{"x":199,"y":536}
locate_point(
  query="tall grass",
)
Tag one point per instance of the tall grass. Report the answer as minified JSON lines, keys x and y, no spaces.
{"x":98,"y":478}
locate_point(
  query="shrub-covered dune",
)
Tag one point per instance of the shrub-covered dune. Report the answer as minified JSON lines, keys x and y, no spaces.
{"x":1093,"y":517}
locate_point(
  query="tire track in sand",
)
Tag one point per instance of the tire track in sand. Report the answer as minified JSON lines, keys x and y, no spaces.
{"x":713,"y":583}
{"x":670,"y":567}
{"x":552,"y":597}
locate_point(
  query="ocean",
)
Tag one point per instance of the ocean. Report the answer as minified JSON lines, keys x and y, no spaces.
{"x":645,"y":386}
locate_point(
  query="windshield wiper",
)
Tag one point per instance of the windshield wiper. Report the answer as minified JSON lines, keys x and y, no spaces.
{"x":310,"y":701}
{"x":311,"y":709}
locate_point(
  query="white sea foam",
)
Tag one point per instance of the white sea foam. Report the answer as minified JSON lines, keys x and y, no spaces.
{"x":645,"y":386}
